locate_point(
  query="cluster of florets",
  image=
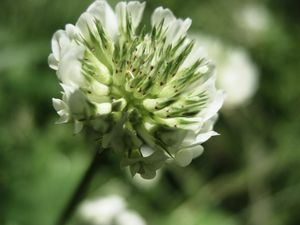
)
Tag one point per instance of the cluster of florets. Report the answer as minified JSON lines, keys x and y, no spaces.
{"x":149,"y":93}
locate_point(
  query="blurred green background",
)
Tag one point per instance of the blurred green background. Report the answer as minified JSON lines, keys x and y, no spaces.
{"x":248,"y":175}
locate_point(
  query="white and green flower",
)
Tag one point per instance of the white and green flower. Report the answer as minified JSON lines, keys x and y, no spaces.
{"x":139,"y":88}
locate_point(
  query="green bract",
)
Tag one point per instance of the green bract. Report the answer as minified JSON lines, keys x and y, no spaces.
{"x":149,"y":93}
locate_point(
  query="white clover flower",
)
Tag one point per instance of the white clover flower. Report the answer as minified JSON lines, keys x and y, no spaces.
{"x":238,"y":78}
{"x":254,"y":20}
{"x":237,"y":74}
{"x":109,"y":210}
{"x":102,"y":211}
{"x":139,"y":88}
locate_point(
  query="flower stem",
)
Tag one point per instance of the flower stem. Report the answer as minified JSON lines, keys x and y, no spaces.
{"x":80,"y":191}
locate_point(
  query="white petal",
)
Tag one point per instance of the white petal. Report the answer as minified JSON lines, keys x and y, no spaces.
{"x":103,"y":108}
{"x":146,"y":151}
{"x":177,"y":29}
{"x":184,"y":157}
{"x":71,"y":31}
{"x":77,"y":126}
{"x":189,"y":139}
{"x":121,"y":15}
{"x":214,"y":106}
{"x":64,"y":118}
{"x":135,"y":10}
{"x":69,"y":69}
{"x":188,"y":123}
{"x":197,"y":150}
{"x":162,"y":14}
{"x":196,"y":54}
{"x":208,"y":124}
{"x":150,"y":104}
{"x":62,"y":110}
{"x":55,"y":46}
{"x":58,"y":104}
{"x":59,"y":41}
{"x":99,"y":89}
{"x":104,"y":13}
{"x":67,"y":90}
{"x":53,"y":63}
{"x":205,"y":136}
{"x":86,"y":25}
{"x":77,"y":103}
{"x":206,"y":84}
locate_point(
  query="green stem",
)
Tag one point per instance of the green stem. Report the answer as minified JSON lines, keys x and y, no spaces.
{"x":80,"y":191}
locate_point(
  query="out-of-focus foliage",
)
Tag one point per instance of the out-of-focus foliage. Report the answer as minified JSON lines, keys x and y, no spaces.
{"x":248,"y":175}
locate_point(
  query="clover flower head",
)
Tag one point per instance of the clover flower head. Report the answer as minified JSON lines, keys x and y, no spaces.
{"x":149,"y":93}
